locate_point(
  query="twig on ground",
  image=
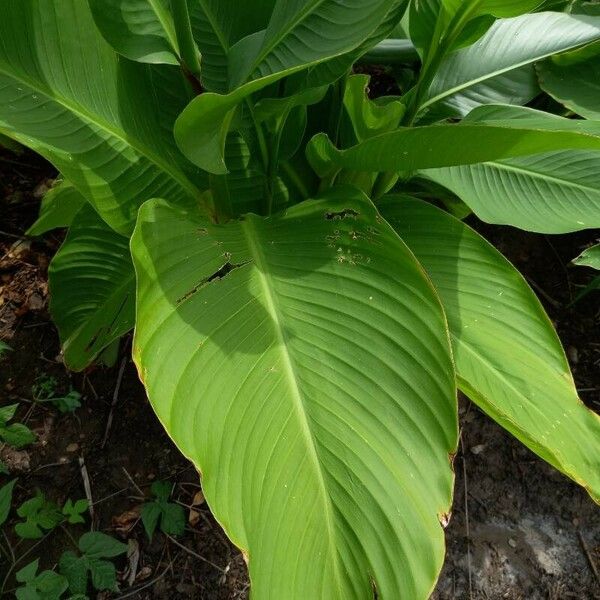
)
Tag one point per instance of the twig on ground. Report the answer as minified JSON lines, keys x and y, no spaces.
{"x":121,"y":491}
{"x":467,"y":523}
{"x":135,"y":485}
{"x":86,"y":380}
{"x":150,"y":583}
{"x":196,"y":555}
{"x":87,"y":487}
{"x":115,"y":399}
{"x":13,"y":236}
{"x":554,"y":303}
{"x":588,"y":555}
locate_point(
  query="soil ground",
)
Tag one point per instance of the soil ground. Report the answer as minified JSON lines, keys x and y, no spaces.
{"x":519,"y":529}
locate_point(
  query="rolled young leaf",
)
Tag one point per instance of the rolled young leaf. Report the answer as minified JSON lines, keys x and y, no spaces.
{"x":92,"y":289}
{"x":140,"y":30}
{"x":509,"y":360}
{"x":302,"y":363}
{"x":67,"y":95}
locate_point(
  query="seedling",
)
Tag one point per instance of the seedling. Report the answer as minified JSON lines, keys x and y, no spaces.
{"x":46,"y":585}
{"x":45,"y":390}
{"x":73,"y":511}
{"x":40,"y":514}
{"x":14,"y":434}
{"x":170,"y":516}
{"x":94,"y":549}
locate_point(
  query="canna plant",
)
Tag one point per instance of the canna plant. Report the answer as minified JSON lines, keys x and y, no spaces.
{"x":306,"y":296}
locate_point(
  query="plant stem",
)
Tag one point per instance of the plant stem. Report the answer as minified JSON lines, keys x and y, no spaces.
{"x":266,"y":161}
{"x":185,"y":40}
{"x":441,"y":45}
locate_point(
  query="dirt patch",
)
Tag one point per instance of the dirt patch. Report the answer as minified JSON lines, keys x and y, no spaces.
{"x":530,"y":533}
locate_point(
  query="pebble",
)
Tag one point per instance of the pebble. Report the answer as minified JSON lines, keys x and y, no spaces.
{"x":73,"y":447}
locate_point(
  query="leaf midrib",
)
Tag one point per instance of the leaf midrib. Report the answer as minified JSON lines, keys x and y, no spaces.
{"x":163,"y":18}
{"x":491,"y":75}
{"x":534,"y":174}
{"x":250,"y":234}
{"x":77,"y":110}
{"x":212,"y":20}
{"x":285,"y":32}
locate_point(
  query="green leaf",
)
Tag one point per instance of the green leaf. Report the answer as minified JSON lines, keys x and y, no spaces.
{"x":59,"y":207}
{"x":172,"y":520}
{"x":498,"y":68}
{"x":150,"y":515}
{"x":6,"y":493}
{"x":7,"y":413}
{"x":369,"y":118}
{"x":28,"y":572}
{"x":257,"y":342}
{"x":17,"y":435}
{"x":469,"y":142}
{"x":555,"y":192}
{"x":576,"y":86}
{"x":95,"y":544}
{"x":27,"y":593}
{"x":141,"y":30}
{"x":75,"y":569}
{"x":40,"y":514}
{"x":92,"y":289}
{"x":287,"y":46}
{"x":50,"y":585}
{"x":589,"y":258}
{"x":334,"y":68}
{"x":74,"y":511}
{"x":69,"y":403}
{"x":508,"y":357}
{"x":67,"y":95}
{"x":104,"y":575}
{"x":171,"y":515}
{"x":161,"y":490}
{"x":304,"y":32}
{"x":217,"y":26}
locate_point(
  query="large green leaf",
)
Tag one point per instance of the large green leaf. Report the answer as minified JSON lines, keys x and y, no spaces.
{"x":105,"y":122}
{"x":92,"y":289}
{"x":302,"y":363}
{"x":576,"y":86}
{"x":304,"y":32}
{"x":300,"y":34}
{"x":554,"y":192}
{"x":471,"y":141}
{"x":499,"y":67}
{"x":59,"y":206}
{"x":508,"y":357}
{"x":141,"y":30}
{"x":431,"y":19}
